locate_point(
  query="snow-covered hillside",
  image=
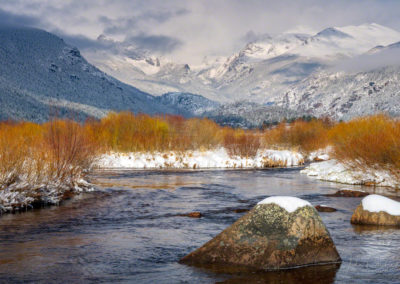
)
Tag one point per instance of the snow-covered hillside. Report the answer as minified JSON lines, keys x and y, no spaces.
{"x":249,"y":115}
{"x":40,"y":72}
{"x":367,"y":85}
{"x":188,"y":104}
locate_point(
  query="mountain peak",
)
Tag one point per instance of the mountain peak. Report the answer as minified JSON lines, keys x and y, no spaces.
{"x":332,"y":32}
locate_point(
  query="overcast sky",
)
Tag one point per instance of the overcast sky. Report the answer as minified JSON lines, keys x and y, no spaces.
{"x":188,"y":30}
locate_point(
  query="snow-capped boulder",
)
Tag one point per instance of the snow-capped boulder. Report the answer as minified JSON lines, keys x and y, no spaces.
{"x":377,"y":210}
{"x":278,"y":233}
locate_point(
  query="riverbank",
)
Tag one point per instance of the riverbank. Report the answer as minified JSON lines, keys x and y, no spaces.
{"x":23,"y":192}
{"x":41,"y":163}
{"x":335,"y":171}
{"x":23,"y":195}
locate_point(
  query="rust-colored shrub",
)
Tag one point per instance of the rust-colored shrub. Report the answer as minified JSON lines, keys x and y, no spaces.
{"x":307,"y":136}
{"x":58,"y":151}
{"x":69,"y":149}
{"x":63,"y":149}
{"x":241,"y":143}
{"x":126,"y":132}
{"x":372,"y":141}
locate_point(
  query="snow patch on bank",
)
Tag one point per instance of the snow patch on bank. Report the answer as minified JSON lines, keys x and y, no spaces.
{"x":218,"y":158}
{"x":334,"y":171}
{"x":378,"y":203}
{"x":22,"y":194}
{"x":289,"y":203}
{"x":320,"y":155}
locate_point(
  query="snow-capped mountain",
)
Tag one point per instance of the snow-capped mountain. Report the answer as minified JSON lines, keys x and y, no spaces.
{"x":341,"y":72}
{"x":40,"y":72}
{"x":263,"y":71}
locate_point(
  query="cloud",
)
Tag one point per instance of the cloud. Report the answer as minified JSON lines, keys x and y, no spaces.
{"x":383,"y":57}
{"x":189,"y":30}
{"x":125,"y":25}
{"x":156,"y":43}
{"x":11,"y":19}
{"x":132,"y":46}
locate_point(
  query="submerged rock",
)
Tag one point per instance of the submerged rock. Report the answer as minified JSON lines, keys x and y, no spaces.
{"x":278,"y":233}
{"x":349,"y":193}
{"x":323,"y":208}
{"x":377,"y":210}
{"x":241,"y":210}
{"x":192,"y":215}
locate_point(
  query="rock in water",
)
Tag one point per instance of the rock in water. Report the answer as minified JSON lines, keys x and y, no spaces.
{"x":349,"y":193}
{"x":323,"y":208}
{"x":377,"y":210}
{"x":278,"y":233}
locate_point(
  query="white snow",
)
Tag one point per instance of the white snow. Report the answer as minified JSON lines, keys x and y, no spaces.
{"x":320,"y":154}
{"x":332,"y":170}
{"x":378,"y":203}
{"x":289,"y":203}
{"x":217,"y":158}
{"x":23,"y":193}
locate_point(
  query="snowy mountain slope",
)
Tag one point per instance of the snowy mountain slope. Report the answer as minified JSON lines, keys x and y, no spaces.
{"x":249,"y":114}
{"x":188,"y":104}
{"x":262,"y":71}
{"x":336,"y":42}
{"x":353,"y":92}
{"x":38,"y":72}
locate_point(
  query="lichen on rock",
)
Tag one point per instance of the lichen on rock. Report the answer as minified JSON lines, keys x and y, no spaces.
{"x":270,"y":238}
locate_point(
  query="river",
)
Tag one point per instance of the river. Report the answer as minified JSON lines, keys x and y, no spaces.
{"x":131,"y":231}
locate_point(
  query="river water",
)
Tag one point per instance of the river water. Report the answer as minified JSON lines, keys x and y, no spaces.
{"x":130,"y":230}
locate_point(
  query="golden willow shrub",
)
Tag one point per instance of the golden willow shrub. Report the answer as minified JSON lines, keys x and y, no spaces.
{"x":372,"y":141}
{"x":241,"y":143}
{"x":61,"y":150}
{"x":56,"y":152}
{"x":126,"y":132}
{"x":306,"y":136}
{"x":15,"y":141}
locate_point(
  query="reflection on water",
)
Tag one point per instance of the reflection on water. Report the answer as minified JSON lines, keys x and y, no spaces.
{"x":131,"y":231}
{"x":307,"y":275}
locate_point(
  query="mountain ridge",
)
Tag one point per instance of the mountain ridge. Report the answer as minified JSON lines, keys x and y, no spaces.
{"x":39,"y":71}
{"x":265,"y":68}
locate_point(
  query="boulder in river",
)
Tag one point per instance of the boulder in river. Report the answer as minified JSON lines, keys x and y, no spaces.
{"x":377,"y":210}
{"x":278,"y":233}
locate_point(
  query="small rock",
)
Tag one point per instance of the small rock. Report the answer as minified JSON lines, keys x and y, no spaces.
{"x":68,"y":194}
{"x":322,"y":208}
{"x":241,"y":210}
{"x":192,"y":215}
{"x":348,"y":193}
{"x":269,"y":237}
{"x":377,"y":210}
